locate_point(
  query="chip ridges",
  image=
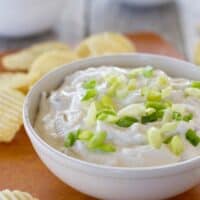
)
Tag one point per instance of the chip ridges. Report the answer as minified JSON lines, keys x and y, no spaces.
{"x":103,"y":44}
{"x":51,"y":60}
{"x":11,"y":103}
{"x":19,"y":80}
{"x":23,"y":59}
{"x":15,"y":195}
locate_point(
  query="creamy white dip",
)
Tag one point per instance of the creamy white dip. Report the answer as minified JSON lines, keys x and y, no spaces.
{"x":158,"y":136}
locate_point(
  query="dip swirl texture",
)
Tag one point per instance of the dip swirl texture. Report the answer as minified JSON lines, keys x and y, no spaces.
{"x":123,"y":117}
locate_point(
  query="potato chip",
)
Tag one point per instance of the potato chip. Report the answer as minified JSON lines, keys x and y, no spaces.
{"x":51,"y":60}
{"x":11,"y":103}
{"x":15,"y":195}
{"x":20,"y":81}
{"x":197,"y":54}
{"x":22,"y":60}
{"x":104,"y":43}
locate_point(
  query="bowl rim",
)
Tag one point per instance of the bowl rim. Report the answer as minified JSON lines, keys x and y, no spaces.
{"x":151,"y":171}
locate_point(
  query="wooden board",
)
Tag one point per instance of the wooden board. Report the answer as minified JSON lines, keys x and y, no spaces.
{"x":20,"y":168}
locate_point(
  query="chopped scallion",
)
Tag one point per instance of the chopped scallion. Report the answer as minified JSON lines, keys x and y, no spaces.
{"x":176,"y":116}
{"x":97,"y":140}
{"x":91,"y":93}
{"x":106,"y":147}
{"x":163,"y":81}
{"x":70,"y":139}
{"x":132,"y":84}
{"x":85,"y":135}
{"x":153,"y":95}
{"x":148,"y":72}
{"x":168,"y":140}
{"x":152,"y":117}
{"x":126,"y":121}
{"x":156,"y":104}
{"x":195,"y":92}
{"x":188,"y":117}
{"x":195,"y":84}
{"x":154,"y":137}
{"x":176,"y":145}
{"x":91,"y":115}
{"x":192,"y":137}
{"x":135,"y":72}
{"x":90,"y":84}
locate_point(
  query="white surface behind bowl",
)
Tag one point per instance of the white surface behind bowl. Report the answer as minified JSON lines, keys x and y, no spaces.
{"x":117,"y":183}
{"x":26,"y":17}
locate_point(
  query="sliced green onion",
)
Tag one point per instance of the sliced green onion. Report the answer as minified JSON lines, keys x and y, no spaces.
{"x":107,"y":115}
{"x":168,"y":140}
{"x":156,"y":104}
{"x":195,"y":92}
{"x":107,"y":147}
{"x":195,"y":84}
{"x":188,"y":117}
{"x":90,"y":84}
{"x":91,"y":93}
{"x":167,"y":115}
{"x":133,"y":110}
{"x":107,"y":102}
{"x":148,"y":72}
{"x":154,"y":137}
{"x":168,"y":127}
{"x":115,"y":79}
{"x":163,"y":81}
{"x":85,"y":135}
{"x":91,"y":115}
{"x":160,"y":113}
{"x":153,"y":95}
{"x":110,"y":79}
{"x":70,"y":139}
{"x":111,"y":119}
{"x":126,"y":121}
{"x":166,"y":92}
{"x":118,"y":87}
{"x":180,"y":108}
{"x":192,"y":137}
{"x":176,"y":145}
{"x":122,"y":92}
{"x":150,"y":111}
{"x":152,"y":117}
{"x":97,"y":140}
{"x":135,"y":72}
{"x":144,"y":91}
{"x":105,"y":112}
{"x":131,"y":84}
{"x":176,"y":116}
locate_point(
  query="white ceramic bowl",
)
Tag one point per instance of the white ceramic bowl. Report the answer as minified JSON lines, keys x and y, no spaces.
{"x":146,"y":2}
{"x":20,"y":18}
{"x":117,"y":183}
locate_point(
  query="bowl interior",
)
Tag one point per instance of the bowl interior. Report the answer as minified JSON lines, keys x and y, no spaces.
{"x":52,"y":80}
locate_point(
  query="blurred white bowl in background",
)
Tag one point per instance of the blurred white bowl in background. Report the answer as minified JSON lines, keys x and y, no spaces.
{"x":20,"y":18}
{"x":146,"y":2}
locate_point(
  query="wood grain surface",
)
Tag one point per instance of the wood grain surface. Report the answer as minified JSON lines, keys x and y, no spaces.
{"x":20,"y":167}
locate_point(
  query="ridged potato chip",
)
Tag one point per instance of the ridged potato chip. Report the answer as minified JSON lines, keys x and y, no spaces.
{"x":11,"y":103}
{"x":104,"y":43}
{"x":51,"y":60}
{"x":22,"y":60}
{"x":20,"y":81}
{"x":197,"y":54}
{"x":15,"y":195}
